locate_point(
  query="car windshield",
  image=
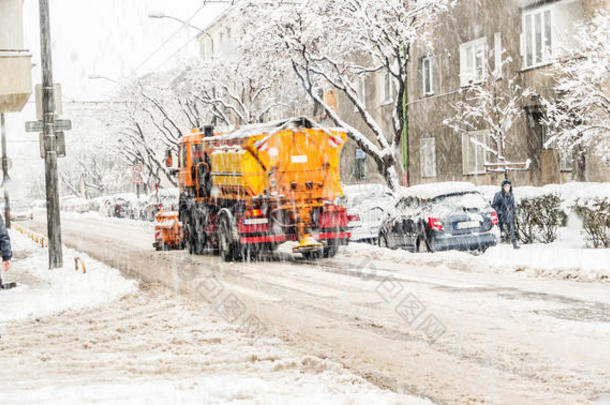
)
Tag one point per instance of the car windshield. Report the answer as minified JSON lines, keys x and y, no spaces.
{"x":465,"y":200}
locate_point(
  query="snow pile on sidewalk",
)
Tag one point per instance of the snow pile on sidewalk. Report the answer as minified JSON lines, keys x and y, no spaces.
{"x":41,"y":291}
{"x":563,"y":259}
{"x":223,"y":389}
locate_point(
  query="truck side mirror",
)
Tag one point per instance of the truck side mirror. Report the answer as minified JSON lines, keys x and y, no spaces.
{"x":168,"y":158}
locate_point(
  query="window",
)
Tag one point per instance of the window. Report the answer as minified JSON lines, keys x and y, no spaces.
{"x":360,"y":164}
{"x":427,"y":76}
{"x":472,"y":61}
{"x":427,"y":155}
{"x":361,"y":91}
{"x":385,"y":84}
{"x":537,"y":41}
{"x":473,"y":155}
{"x":498,"y":56}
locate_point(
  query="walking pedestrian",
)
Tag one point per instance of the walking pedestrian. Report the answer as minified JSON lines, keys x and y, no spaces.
{"x":5,"y":249}
{"x":504,"y":204}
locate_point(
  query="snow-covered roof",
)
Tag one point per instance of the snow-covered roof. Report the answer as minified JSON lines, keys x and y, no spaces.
{"x":365,"y":188}
{"x":432,"y":190}
{"x":268,"y":127}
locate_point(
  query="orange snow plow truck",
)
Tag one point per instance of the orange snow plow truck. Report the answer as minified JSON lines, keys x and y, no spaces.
{"x":249,"y":190}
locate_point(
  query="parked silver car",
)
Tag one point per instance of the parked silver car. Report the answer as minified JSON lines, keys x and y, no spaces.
{"x":366,"y":206}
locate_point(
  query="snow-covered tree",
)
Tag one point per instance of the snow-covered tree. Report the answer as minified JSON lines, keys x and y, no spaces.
{"x":579,"y":116}
{"x":236,"y":91}
{"x":92,"y":168}
{"x":152,"y":121}
{"x":491,"y":105}
{"x":336,"y":45}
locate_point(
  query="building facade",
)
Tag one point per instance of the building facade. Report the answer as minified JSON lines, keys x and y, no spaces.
{"x":531,"y":33}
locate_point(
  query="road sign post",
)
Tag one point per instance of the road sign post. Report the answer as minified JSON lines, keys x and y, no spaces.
{"x":49,"y":128}
{"x":5,"y":178}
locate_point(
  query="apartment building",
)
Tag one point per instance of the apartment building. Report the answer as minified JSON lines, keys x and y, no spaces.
{"x":531,"y":33}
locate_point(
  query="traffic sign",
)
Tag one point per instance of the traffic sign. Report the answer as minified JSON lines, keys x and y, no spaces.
{"x":38,"y":126}
{"x":137,"y":169}
{"x":138,"y":179}
{"x":34,"y":126}
{"x":56,"y":96}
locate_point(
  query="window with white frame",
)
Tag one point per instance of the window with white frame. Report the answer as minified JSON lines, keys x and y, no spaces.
{"x":472,"y":61}
{"x":427,"y":156}
{"x":474,"y":154}
{"x":385,"y":84}
{"x":498,"y":55}
{"x":427,"y":80}
{"x":537,"y":37}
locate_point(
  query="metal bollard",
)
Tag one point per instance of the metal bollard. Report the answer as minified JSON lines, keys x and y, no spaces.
{"x":82,"y":263}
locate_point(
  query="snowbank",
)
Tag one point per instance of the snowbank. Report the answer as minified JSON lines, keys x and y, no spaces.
{"x":220,"y":389}
{"x":41,"y":291}
{"x":563,"y":259}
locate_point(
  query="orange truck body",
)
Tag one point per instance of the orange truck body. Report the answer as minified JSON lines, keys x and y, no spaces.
{"x":262,"y":185}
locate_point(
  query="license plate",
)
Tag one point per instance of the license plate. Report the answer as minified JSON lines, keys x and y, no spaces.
{"x":255,"y":221}
{"x":467,"y":225}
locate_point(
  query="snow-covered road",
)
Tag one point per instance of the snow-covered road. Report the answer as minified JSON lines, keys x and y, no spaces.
{"x":69,"y":337}
{"x":452,"y":336}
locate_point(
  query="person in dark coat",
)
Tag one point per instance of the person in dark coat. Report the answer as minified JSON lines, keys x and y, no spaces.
{"x":5,"y":247}
{"x":504,"y":204}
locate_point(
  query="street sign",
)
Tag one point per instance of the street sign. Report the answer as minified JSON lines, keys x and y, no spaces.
{"x":34,"y":126}
{"x":138,"y":179}
{"x":60,"y":144}
{"x":137,"y":169}
{"x":38,"y":126}
{"x":56,"y":96}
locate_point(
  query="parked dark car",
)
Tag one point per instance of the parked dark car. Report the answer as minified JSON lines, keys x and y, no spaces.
{"x":440,"y":216}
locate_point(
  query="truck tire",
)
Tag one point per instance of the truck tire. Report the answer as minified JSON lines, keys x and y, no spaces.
{"x":227,"y":247}
{"x":331,"y":248}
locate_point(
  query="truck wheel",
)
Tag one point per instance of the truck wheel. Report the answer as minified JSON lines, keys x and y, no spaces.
{"x":226,"y":244}
{"x":422,"y":245}
{"x":330,"y":250}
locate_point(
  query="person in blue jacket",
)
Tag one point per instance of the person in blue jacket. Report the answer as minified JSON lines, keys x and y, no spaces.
{"x":5,"y":248}
{"x":504,"y":204}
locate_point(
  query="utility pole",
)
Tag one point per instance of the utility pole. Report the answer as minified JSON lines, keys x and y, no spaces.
{"x":50,"y":139}
{"x":5,"y":178}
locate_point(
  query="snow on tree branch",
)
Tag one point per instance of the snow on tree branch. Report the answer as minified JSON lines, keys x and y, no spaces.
{"x":494,"y":106}
{"x":579,"y":115}
{"x":336,"y":45}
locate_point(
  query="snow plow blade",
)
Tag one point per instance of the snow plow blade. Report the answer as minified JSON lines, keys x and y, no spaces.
{"x":308,"y":245}
{"x":7,"y":286}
